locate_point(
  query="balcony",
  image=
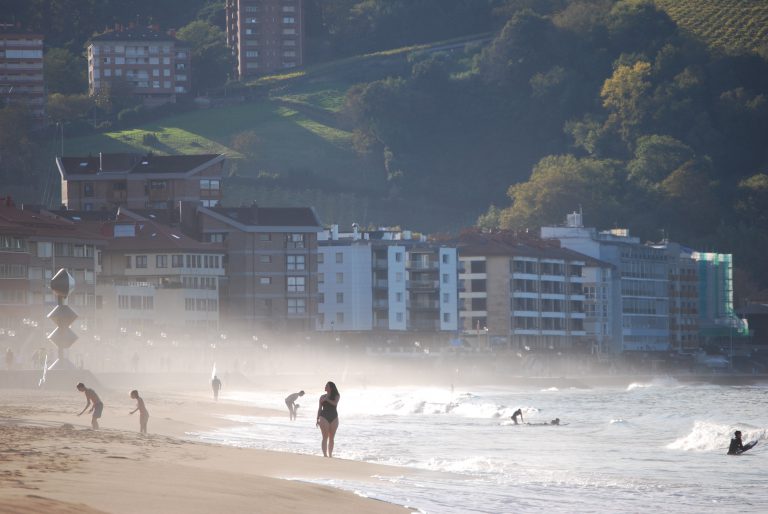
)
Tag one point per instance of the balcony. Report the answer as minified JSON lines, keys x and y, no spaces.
{"x":422,"y":284}
{"x":381,"y":304}
{"x":425,"y":305}
{"x":420,"y":265}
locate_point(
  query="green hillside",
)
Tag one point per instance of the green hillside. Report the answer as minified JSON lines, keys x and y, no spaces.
{"x":734,"y":25}
{"x":302,"y":155}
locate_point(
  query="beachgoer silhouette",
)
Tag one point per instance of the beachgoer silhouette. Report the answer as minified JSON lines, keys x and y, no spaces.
{"x":736,"y":446}
{"x":517,"y":413}
{"x":290,"y":402}
{"x":328,"y":417}
{"x":216,"y":386}
{"x":555,"y":421}
{"x":143,"y":412}
{"x":91,"y":399}
{"x":9,"y":359}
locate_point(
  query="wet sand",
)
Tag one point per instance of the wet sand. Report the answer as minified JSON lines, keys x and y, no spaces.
{"x":52,"y":462}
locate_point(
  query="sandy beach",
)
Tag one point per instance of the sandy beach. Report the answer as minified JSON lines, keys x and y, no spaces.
{"x":52,"y":462}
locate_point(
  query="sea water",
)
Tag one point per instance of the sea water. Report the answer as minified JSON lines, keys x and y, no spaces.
{"x":658,"y":446}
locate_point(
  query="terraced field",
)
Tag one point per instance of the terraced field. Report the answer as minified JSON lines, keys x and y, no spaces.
{"x":732,"y":25}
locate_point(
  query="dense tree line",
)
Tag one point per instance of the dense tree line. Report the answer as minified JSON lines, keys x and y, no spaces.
{"x":600,"y":104}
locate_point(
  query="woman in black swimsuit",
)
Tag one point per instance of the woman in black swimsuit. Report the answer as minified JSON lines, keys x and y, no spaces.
{"x":328,"y":417}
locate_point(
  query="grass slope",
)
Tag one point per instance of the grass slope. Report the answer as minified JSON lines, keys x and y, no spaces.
{"x":732,"y":25}
{"x":299,"y":135}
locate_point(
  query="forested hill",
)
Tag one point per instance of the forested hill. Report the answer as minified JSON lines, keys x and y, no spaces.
{"x":631,"y":110}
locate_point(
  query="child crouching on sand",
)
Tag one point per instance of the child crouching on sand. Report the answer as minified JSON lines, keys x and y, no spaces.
{"x":143,"y":412}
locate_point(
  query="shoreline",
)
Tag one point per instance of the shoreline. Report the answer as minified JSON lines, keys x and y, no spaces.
{"x":54,"y":463}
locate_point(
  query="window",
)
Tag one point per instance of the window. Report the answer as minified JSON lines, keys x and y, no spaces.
{"x":297,"y":305}
{"x":265,"y":259}
{"x":399,"y":297}
{"x":295,"y":284}
{"x":339,"y":278}
{"x":215,"y":237}
{"x":339,"y":258}
{"x":208,"y":186}
{"x":446,"y":298}
{"x":339,"y":318}
{"x":446,"y":278}
{"x":265,"y":237}
{"x":88,"y":189}
{"x":128,"y":261}
{"x":446,"y":317}
{"x":321,"y":278}
{"x":141,"y":261}
{"x":398,"y":257}
{"x":399,"y":317}
{"x":161,"y":261}
{"x":295,"y":241}
{"x":177,"y":261}
{"x":398,"y":277}
{"x":446,"y":258}
{"x":265,"y":281}
{"x":295,"y":262}
{"x":339,"y":297}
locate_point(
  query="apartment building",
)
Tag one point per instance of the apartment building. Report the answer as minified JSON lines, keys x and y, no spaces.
{"x":643,"y":279}
{"x":386,"y":280}
{"x":153,"y":279}
{"x":520,"y":291}
{"x":139,"y":181}
{"x":265,"y":36}
{"x":271,"y":255}
{"x":34,"y":245}
{"x":21,"y":69}
{"x":156,"y":66}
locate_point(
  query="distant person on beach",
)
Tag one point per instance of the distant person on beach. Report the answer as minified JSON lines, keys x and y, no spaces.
{"x":290,"y":402}
{"x":555,"y":421}
{"x":216,"y":385}
{"x":91,"y":400}
{"x":143,"y":412}
{"x":736,"y":446}
{"x":517,"y":413}
{"x":328,"y":417}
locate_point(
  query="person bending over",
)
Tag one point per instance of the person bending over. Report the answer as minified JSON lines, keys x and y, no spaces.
{"x":290,"y":402}
{"x":91,"y":400}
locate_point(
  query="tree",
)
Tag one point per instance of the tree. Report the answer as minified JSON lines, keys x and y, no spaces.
{"x":68,"y":107}
{"x":561,"y":183}
{"x":625,"y":96}
{"x":65,"y":72}
{"x":656,"y":157}
{"x":211,"y":59}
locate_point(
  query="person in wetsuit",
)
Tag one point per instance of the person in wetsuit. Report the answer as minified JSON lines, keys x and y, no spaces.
{"x":328,"y":417}
{"x":515,"y":414}
{"x":736,"y":446}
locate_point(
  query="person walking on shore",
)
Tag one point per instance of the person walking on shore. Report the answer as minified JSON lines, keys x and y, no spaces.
{"x":290,"y":402}
{"x":216,"y":386}
{"x":91,"y":400}
{"x":143,"y":412}
{"x":328,"y":417}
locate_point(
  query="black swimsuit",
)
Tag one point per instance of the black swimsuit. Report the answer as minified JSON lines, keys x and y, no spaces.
{"x":328,"y":411}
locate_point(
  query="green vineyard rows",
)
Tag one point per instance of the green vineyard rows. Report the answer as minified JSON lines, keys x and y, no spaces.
{"x":733,"y":25}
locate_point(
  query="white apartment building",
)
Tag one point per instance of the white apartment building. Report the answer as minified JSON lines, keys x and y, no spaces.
{"x":386,"y":280}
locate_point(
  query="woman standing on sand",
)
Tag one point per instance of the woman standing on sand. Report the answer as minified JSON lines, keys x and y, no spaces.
{"x":328,"y":417}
